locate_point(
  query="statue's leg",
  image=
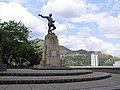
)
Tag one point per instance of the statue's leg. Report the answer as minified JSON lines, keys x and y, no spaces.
{"x":53,"y":27}
{"x":49,"y":27}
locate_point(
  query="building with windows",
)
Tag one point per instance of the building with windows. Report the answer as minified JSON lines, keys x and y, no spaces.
{"x":94,"y":60}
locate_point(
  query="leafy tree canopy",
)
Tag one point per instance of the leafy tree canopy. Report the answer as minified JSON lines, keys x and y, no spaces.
{"x":14,"y":46}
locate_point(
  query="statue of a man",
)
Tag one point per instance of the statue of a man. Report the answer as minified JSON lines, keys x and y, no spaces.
{"x":50,"y":22}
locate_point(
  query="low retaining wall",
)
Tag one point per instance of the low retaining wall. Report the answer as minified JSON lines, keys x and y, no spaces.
{"x":108,"y":69}
{"x":3,"y":67}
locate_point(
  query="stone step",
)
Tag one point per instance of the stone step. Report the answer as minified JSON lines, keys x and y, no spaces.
{"x":29,"y":72}
{"x":52,"y":79}
{"x":51,"y":68}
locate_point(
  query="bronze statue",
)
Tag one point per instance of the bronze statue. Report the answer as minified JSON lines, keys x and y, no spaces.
{"x":50,"y":22}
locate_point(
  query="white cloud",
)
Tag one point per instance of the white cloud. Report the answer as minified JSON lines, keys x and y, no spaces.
{"x":15,"y":11}
{"x":77,"y":41}
{"x":67,"y":8}
{"x":94,"y":43}
{"x":18,"y":1}
{"x":112,"y":6}
{"x":71,"y":42}
{"x":111,"y":25}
{"x":61,"y":27}
{"x":117,"y":51}
{"x":88,"y":17}
{"x":84,"y":32}
{"x":113,"y":35}
{"x":106,"y":23}
{"x":88,"y":42}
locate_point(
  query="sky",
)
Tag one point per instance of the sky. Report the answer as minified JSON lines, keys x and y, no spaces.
{"x":81,"y":24}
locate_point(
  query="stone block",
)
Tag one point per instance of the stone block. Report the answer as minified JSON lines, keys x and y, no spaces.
{"x":51,"y":53}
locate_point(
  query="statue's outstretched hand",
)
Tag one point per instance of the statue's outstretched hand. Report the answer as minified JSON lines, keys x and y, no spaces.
{"x":39,"y":15}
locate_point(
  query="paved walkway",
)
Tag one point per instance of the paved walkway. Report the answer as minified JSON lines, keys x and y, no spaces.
{"x":112,"y":83}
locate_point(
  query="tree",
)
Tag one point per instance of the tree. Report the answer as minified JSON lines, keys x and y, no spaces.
{"x":36,"y":44}
{"x":15,"y":47}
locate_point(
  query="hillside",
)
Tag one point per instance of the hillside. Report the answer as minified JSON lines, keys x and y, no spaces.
{"x":64,"y":50}
{"x":82,"y":57}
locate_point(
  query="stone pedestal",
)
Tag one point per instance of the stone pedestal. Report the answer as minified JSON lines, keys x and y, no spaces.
{"x":51,"y":53}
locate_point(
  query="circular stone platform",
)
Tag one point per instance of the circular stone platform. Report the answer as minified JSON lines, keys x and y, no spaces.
{"x":51,"y":68}
{"x":29,"y":72}
{"x":28,"y":76}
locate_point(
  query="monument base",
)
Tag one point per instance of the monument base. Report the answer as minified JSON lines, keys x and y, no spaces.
{"x":51,"y":52}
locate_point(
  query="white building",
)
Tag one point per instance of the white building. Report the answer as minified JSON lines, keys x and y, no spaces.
{"x":117,"y":64}
{"x":94,"y":60}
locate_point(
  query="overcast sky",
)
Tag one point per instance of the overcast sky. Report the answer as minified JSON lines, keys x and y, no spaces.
{"x":81,"y":24}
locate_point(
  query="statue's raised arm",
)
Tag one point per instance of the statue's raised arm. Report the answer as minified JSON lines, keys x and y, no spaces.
{"x":42,"y":16}
{"x":50,"y":22}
